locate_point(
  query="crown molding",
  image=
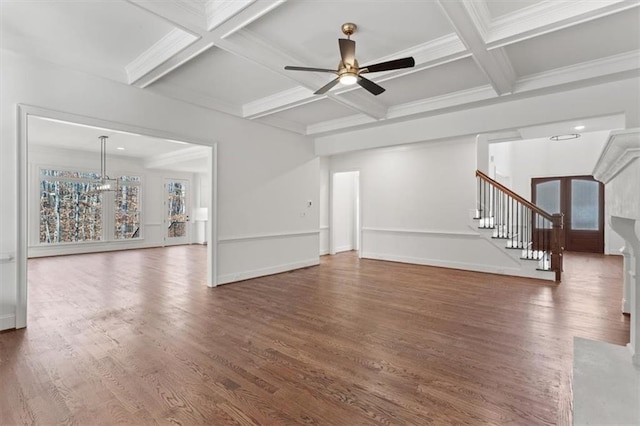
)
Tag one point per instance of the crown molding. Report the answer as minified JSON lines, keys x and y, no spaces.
{"x":361,"y":101}
{"x":449,"y":100}
{"x":161,"y":161}
{"x":278,"y":102}
{"x":615,"y":64}
{"x":164,"y":49}
{"x":549,"y":16}
{"x":281,"y":123}
{"x":339,"y":124}
{"x":622,"y":147}
{"x":196,"y":98}
{"x":218,"y":12}
{"x":479,"y":13}
{"x":405,"y":110}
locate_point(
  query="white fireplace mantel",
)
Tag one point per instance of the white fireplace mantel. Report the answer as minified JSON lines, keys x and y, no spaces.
{"x":619,"y":169}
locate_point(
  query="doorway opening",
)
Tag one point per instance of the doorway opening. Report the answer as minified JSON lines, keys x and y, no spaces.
{"x":345,"y":234}
{"x":64,"y":207}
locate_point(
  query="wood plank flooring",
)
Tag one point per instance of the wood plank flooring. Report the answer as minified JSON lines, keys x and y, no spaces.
{"x":135,"y":337}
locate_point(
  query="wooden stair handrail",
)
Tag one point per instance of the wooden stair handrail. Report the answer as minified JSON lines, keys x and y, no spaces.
{"x":515,"y":196}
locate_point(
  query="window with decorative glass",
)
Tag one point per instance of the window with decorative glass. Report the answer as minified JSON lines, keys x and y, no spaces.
{"x":127,"y":208}
{"x":72,"y":210}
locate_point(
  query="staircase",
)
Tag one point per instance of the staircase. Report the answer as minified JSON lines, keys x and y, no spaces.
{"x":526,"y":230}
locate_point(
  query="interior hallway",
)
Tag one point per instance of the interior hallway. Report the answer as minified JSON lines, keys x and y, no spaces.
{"x":136,"y":337}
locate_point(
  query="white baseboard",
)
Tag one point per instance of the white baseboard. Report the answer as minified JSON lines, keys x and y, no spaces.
{"x":255,"y":273}
{"x":7,"y":321}
{"x":517,"y":272}
{"x":344,"y":248}
{"x":85,"y":248}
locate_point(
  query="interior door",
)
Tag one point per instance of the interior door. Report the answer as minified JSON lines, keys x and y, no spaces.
{"x":581,"y":200}
{"x":176,"y":212}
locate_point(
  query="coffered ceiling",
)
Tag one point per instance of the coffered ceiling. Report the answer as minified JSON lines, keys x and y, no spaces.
{"x":230,"y":55}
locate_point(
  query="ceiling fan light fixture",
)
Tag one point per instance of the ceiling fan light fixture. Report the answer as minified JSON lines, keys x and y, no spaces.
{"x":348,"y":79}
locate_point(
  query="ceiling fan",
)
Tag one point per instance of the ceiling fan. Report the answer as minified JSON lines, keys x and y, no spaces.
{"x":349,"y":72}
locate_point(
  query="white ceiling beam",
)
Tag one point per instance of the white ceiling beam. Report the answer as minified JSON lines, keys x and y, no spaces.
{"x":186,"y":14}
{"x":626,"y":65}
{"x":612,"y":67}
{"x":423,"y":106}
{"x":436,"y":52}
{"x":228,"y":18}
{"x":166,"y":48}
{"x":497,"y":68}
{"x":546,"y":17}
{"x":220,"y":11}
{"x":252,"y":48}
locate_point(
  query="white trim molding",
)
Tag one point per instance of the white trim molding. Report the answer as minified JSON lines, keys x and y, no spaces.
{"x":220,"y":11}
{"x":623,"y":146}
{"x":254,"y":237}
{"x":271,"y":270}
{"x":8,"y":321}
{"x":163,"y":50}
{"x":463,"y":234}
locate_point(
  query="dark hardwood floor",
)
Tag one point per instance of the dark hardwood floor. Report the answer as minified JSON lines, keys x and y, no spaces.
{"x":136,"y":337}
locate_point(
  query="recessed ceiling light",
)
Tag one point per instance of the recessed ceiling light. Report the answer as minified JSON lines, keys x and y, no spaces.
{"x":120,"y":148}
{"x":579,"y":127}
{"x":565,"y":137}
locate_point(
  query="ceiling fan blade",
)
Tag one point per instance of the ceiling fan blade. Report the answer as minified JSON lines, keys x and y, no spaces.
{"x":347,"y":50}
{"x":326,"y":87}
{"x":370,"y":85}
{"x":292,"y":68}
{"x":396,"y":64}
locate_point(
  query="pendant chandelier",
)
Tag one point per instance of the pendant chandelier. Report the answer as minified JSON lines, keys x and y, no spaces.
{"x":105,"y":184}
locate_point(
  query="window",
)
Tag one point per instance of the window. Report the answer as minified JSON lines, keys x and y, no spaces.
{"x":127,"y":208}
{"x":69,"y":212}
{"x":72,"y":211}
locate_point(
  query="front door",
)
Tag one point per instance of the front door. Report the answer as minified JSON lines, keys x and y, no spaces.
{"x":581,"y":200}
{"x":176,"y":212}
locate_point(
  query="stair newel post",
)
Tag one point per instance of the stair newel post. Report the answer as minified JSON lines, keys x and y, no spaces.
{"x":557,"y":245}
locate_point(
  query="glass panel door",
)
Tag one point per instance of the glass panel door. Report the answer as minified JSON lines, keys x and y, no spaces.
{"x":585,"y":200}
{"x":581,"y":200}
{"x":177,"y":212}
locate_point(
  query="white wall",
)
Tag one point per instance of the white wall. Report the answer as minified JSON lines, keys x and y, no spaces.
{"x":265,"y":175}
{"x":527,"y":159}
{"x":152,"y":198}
{"x":508,"y":112}
{"x":345,"y":187}
{"x":416,"y":204}
{"x":324,"y":205}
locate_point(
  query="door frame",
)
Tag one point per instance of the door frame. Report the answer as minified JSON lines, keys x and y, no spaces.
{"x":358,"y":230}
{"x":187,"y":237}
{"x":565,"y":203}
{"x":23,"y":111}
